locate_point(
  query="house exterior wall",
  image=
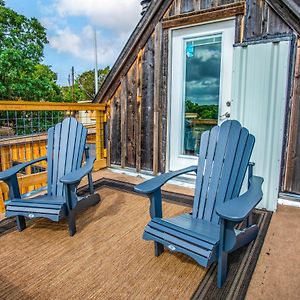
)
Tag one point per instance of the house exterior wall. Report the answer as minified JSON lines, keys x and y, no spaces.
{"x":138,"y":97}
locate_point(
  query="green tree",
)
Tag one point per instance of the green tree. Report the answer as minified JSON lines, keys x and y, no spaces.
{"x":86,"y":81}
{"x":67,"y":93}
{"x":22,"y":43}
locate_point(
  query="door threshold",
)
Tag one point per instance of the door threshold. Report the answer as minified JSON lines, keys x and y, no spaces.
{"x":183,"y":180}
{"x":289,"y":199}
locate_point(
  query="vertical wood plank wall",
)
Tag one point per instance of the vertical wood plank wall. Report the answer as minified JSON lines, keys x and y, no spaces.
{"x":138,"y":106}
{"x":292,"y":174}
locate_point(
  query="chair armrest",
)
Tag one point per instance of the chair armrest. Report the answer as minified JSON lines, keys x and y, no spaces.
{"x":76,"y":176}
{"x":239,"y":208}
{"x":16,"y":169}
{"x":150,"y":186}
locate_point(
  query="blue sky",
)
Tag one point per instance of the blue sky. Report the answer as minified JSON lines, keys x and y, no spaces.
{"x":70,"y":26}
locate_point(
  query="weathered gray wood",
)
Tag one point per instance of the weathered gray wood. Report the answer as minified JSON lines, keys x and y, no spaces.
{"x":275,"y":24}
{"x":156,"y":96}
{"x":115,"y":145}
{"x":239,"y":29}
{"x":204,"y":15}
{"x":164,"y":102}
{"x":186,"y":6}
{"x":131,"y":115}
{"x":138,"y":121}
{"x":177,"y":7}
{"x":287,"y":13}
{"x":291,"y":182}
{"x":147,"y":112}
{"x":124,"y":96}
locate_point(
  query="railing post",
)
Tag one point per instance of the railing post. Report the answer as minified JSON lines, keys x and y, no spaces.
{"x":100,"y":162}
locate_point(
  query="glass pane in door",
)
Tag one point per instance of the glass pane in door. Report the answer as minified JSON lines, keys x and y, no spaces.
{"x":202,"y":89}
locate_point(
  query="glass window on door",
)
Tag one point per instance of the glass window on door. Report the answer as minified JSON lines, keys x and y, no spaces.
{"x":202,"y":89}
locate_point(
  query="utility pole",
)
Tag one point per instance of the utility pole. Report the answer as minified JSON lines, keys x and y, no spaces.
{"x":96,"y":64}
{"x":73,"y":81}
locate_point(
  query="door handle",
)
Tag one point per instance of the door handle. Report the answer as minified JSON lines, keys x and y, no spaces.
{"x":226,"y":115}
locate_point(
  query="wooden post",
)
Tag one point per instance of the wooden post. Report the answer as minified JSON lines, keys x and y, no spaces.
{"x":139,"y":75}
{"x":157,"y":85}
{"x":123,"y":121}
{"x":100,"y":162}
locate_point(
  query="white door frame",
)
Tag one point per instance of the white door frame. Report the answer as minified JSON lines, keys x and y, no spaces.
{"x":176,"y":40}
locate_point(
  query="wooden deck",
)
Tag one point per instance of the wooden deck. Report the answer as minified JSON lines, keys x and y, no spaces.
{"x":106,"y":259}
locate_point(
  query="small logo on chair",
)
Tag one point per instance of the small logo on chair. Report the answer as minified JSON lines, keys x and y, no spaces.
{"x":172,"y":248}
{"x":31,"y":216}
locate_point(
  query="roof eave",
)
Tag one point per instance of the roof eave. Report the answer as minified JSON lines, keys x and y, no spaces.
{"x":131,"y":44}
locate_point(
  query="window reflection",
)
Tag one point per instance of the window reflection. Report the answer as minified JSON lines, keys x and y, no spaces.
{"x":202,"y":89}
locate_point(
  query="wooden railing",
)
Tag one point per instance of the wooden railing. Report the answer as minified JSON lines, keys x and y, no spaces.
{"x":23,"y":137}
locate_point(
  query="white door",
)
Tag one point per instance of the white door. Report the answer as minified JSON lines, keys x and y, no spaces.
{"x":201,"y":72}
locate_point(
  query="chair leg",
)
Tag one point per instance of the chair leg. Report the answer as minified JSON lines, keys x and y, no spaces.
{"x":21,"y":223}
{"x":222,"y":268}
{"x":72,"y":222}
{"x":158,"y":249}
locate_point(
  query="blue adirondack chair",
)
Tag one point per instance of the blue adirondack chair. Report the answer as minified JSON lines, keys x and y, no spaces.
{"x":65,"y":151}
{"x":209,"y":233}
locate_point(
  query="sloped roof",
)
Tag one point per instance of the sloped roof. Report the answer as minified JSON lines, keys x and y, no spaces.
{"x":289,"y":10}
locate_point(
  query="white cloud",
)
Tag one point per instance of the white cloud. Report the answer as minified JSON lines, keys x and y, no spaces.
{"x":118,"y":15}
{"x":81,"y":45}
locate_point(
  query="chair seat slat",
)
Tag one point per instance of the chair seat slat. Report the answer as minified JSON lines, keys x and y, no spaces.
{"x":183,"y":235}
{"x":198,"y":228}
{"x":176,"y":241}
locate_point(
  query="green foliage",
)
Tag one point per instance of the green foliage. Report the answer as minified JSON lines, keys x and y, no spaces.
{"x":203,"y":111}
{"x":84,"y":87}
{"x":67,"y":94}
{"x":22,"y":75}
{"x":86,"y":81}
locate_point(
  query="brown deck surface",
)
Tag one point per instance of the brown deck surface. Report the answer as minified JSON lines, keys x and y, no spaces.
{"x":276,"y":275}
{"x":106,"y":259}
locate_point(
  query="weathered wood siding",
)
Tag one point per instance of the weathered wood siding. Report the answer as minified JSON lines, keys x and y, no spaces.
{"x":115,"y":130}
{"x":292,"y":167}
{"x":138,"y":99}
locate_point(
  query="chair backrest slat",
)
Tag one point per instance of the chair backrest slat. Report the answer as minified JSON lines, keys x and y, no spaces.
{"x":243,"y":166}
{"x":227,"y":156}
{"x":56,"y":149}
{"x":81,"y":146}
{"x":66,"y":142}
{"x":50,"y":158}
{"x":225,"y":153}
{"x":201,"y":166}
{"x":72,"y":145}
{"x":207,"y":169}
